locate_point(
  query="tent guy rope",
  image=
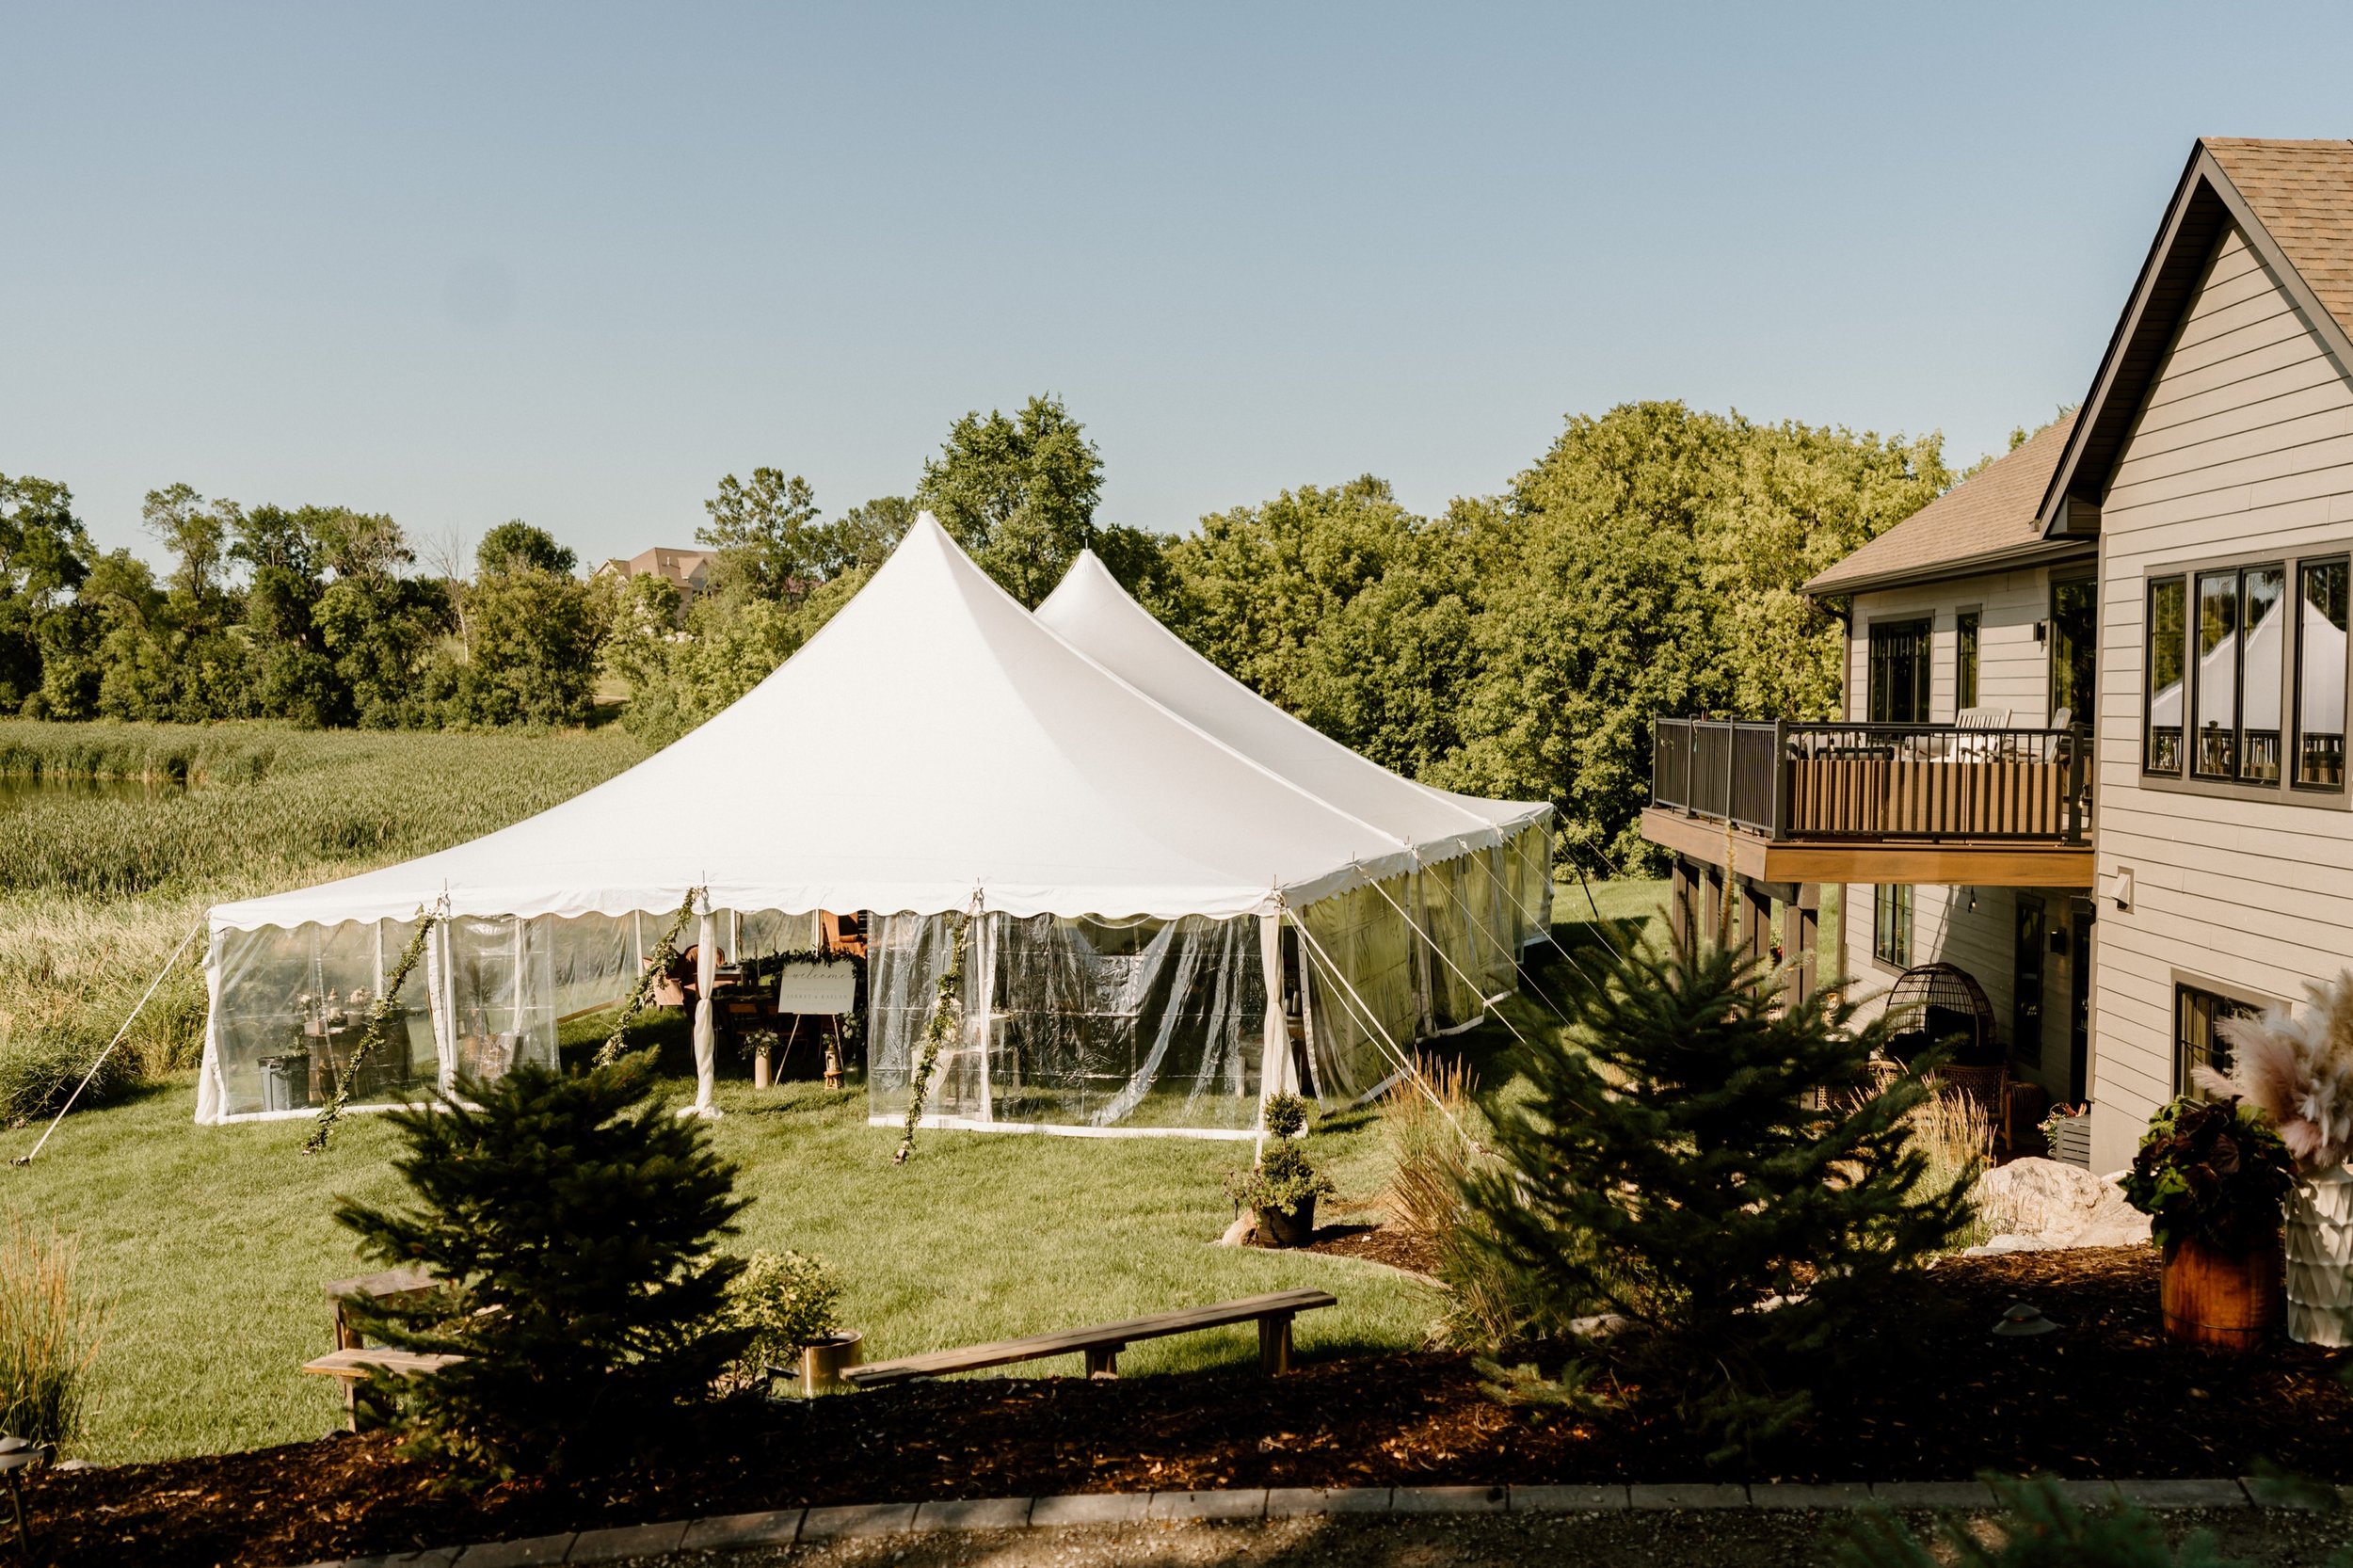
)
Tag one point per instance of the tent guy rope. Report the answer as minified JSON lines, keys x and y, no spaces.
{"x":120,"y":1034}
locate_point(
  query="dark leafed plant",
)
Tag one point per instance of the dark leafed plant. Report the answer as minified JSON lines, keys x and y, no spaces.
{"x":573,"y":1219}
{"x":2210,"y":1171}
{"x":1674,"y":1163}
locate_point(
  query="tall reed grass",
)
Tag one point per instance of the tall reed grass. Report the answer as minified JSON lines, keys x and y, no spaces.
{"x":49,"y":1335}
{"x":1431,"y":1126}
{"x":1954,"y":1134}
{"x":96,"y":891}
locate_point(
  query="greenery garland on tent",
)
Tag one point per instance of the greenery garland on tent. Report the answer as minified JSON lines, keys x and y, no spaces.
{"x":947,"y":1015}
{"x":657,"y":963}
{"x":381,"y":1019}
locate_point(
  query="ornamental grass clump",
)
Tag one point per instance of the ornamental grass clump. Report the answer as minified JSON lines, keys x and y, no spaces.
{"x":572,"y":1218}
{"x":49,"y":1333}
{"x":1675,"y":1168}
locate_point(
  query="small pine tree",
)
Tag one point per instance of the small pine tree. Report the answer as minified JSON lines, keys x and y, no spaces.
{"x":571,"y":1218}
{"x":1669,"y":1164}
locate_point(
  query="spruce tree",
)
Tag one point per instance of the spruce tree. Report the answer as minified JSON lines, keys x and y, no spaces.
{"x":571,"y":1218}
{"x":1674,"y":1162}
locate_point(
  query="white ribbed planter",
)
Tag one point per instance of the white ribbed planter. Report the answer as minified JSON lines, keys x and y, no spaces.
{"x":2320,"y":1259}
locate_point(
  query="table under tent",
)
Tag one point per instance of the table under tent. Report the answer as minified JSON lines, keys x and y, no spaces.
{"x":1174,"y":898}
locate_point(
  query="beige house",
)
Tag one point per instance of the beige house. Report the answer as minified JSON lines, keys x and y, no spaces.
{"x":688,"y":569}
{"x":2095,"y":753}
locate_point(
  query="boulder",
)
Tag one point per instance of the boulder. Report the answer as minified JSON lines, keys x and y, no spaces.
{"x":2034,"y":1204}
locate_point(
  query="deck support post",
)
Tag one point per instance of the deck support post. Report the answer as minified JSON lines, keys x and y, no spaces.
{"x":1683,"y":903}
{"x":1757,"y":922}
{"x":1712,"y":904}
{"x":1800,"y":942}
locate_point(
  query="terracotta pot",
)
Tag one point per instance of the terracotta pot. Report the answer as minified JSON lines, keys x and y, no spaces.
{"x":2224,"y":1300}
{"x":2320,"y":1259}
{"x":1289,"y":1227}
{"x":822,"y":1363}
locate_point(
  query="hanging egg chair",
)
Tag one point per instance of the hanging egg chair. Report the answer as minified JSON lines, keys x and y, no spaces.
{"x":1942,"y":1005}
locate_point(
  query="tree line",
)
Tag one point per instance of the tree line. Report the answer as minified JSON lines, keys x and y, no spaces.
{"x":1512,"y":645}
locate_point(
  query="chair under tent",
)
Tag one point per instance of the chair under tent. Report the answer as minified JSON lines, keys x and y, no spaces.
{"x":1132,"y":842}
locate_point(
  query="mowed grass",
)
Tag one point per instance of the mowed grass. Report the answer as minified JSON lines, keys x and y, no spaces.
{"x":212,"y":1244}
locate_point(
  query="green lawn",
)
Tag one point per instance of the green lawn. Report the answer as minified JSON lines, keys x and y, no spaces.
{"x":211,"y":1242}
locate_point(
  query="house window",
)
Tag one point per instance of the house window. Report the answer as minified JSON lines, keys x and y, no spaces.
{"x":1891,"y":925}
{"x":2168,"y":665}
{"x":2320,"y":626}
{"x":2235,"y":680}
{"x":2075,"y":638}
{"x":1965,"y":659}
{"x":2197,"y":1043}
{"x":1899,"y":672}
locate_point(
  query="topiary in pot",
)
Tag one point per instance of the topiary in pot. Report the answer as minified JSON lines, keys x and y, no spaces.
{"x":2212,"y":1176}
{"x":1282,"y":1187}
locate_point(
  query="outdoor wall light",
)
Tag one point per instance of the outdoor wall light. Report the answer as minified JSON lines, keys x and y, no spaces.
{"x":2042,"y":633}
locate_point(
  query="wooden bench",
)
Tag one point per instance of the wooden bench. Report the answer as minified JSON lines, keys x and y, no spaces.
{"x":355,"y":1361}
{"x":1102,"y":1343}
{"x":362,"y":1362}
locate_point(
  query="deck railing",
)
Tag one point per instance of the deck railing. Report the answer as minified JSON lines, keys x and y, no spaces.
{"x":1850,"y":781}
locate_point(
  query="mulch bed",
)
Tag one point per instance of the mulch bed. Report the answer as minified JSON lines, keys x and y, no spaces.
{"x":1378,"y":1243}
{"x":2103,"y":1397}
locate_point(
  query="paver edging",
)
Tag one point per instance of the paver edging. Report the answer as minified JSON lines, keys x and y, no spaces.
{"x":1127,"y":1510}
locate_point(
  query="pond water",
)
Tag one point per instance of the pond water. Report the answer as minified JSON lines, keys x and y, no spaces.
{"x":17,"y":791}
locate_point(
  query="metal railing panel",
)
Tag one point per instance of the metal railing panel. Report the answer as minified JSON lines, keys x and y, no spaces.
{"x":1863,"y":781}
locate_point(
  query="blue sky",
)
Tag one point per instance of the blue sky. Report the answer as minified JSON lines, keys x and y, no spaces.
{"x":572,"y":262}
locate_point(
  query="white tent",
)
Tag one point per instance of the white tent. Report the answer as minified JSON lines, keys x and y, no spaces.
{"x":935,"y":752}
{"x":1482,"y":887}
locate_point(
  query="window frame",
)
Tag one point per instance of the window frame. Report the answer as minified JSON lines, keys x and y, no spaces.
{"x":1893,"y":908}
{"x":2291,"y":561}
{"x":2058,"y":581}
{"x":2226,"y":1003}
{"x":2149,"y":646}
{"x":1923,"y":680}
{"x":1968,"y":643}
{"x":2292,"y":766}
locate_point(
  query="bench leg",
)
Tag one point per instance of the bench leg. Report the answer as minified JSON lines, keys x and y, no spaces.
{"x":1274,"y":1344}
{"x":1103,"y":1363}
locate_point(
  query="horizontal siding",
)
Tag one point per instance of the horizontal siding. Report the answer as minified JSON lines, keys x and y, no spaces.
{"x":2246,"y":445}
{"x":2013,"y":671}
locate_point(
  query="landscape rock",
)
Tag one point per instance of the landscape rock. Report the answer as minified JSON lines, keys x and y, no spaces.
{"x":1243,"y":1231}
{"x":2041,"y":1205}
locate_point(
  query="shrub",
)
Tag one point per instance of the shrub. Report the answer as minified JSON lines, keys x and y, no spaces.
{"x":779,"y":1303}
{"x":1681,"y":1169}
{"x":49,"y":1335}
{"x":2210,"y":1171}
{"x":37,"y":1072}
{"x":572,"y":1218}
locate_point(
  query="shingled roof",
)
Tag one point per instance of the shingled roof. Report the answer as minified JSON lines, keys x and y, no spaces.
{"x":2302,"y":192}
{"x":1991,"y":514}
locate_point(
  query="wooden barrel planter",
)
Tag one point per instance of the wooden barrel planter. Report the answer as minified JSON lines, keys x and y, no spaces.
{"x":2222,"y":1299}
